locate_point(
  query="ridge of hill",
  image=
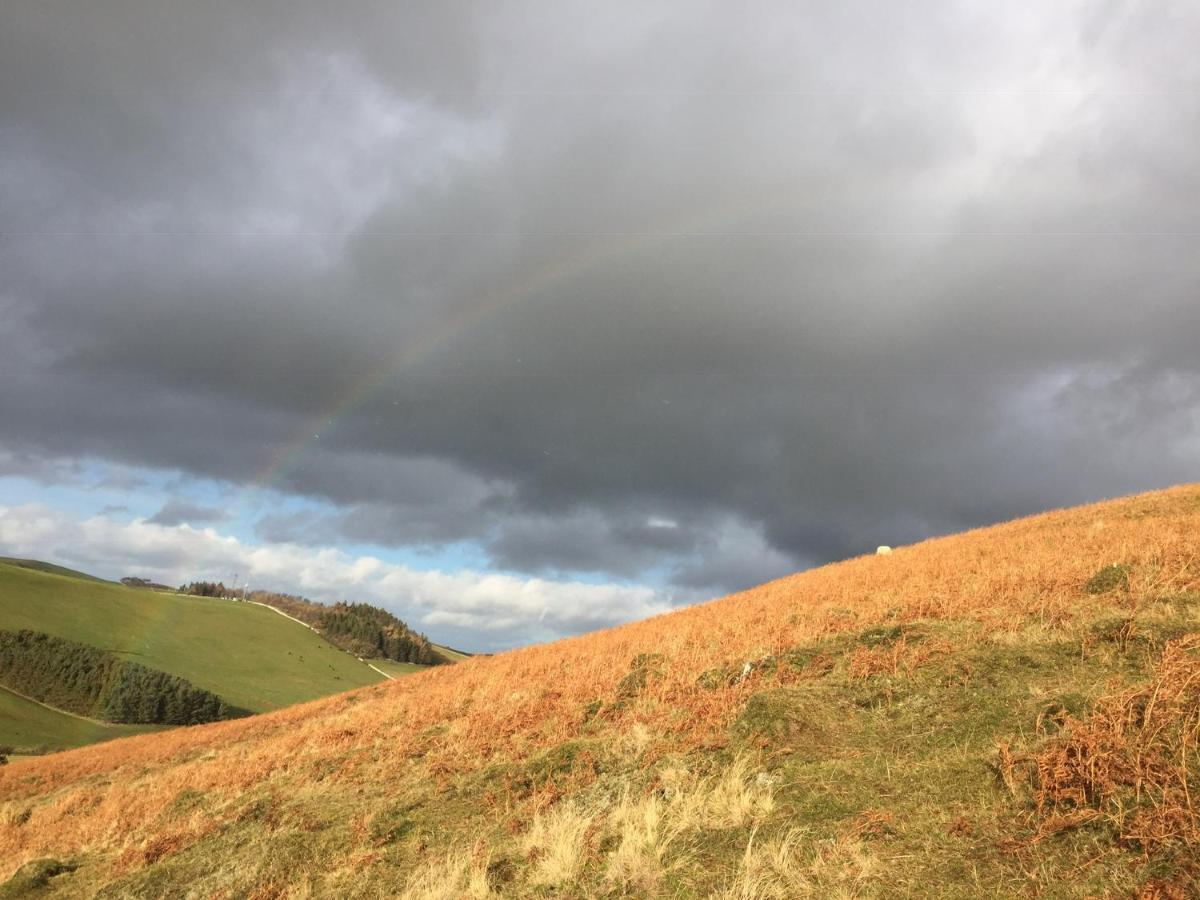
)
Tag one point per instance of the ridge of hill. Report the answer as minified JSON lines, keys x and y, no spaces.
{"x":1005,"y":712}
{"x":38,"y":565}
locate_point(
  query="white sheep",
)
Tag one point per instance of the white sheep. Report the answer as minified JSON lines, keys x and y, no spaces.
{"x":884,"y":550}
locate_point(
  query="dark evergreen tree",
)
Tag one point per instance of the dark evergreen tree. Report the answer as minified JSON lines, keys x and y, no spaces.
{"x":95,"y":683}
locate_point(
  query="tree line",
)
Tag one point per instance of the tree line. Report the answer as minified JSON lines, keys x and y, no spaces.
{"x":135,"y":582}
{"x":207,"y":589}
{"x":101,"y":685}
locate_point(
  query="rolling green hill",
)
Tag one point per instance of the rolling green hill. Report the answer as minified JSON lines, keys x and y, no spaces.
{"x":248,"y":655}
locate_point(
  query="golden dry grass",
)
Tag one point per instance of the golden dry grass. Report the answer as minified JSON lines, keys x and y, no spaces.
{"x":777,"y":870}
{"x":109,"y":802}
{"x":1132,"y":760}
{"x":460,"y":876}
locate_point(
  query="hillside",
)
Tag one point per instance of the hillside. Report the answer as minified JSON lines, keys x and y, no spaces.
{"x":449,"y":654}
{"x":1013,"y":711}
{"x":38,"y":565}
{"x":358,"y":628}
{"x":248,"y":655}
{"x":25,"y":724}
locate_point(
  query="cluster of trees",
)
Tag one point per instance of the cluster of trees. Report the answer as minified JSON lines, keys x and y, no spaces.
{"x":358,"y":628}
{"x":135,"y":582}
{"x":207,"y":589}
{"x":370,"y":631}
{"x":98,"y":684}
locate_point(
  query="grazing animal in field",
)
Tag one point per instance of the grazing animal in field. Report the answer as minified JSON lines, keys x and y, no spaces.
{"x":884,"y":550}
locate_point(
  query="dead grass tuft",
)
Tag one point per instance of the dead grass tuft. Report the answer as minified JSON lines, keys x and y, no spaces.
{"x":1135,"y":761}
{"x":457,"y":876}
{"x":790,"y":867}
{"x":871,"y":823}
{"x":557,"y":844}
{"x":895,"y":658}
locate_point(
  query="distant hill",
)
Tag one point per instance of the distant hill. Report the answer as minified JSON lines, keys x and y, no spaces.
{"x":27,"y":726}
{"x":359,"y":628}
{"x":247,"y":655}
{"x":1007,"y":712}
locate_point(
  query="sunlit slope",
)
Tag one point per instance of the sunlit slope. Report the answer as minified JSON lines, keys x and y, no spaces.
{"x":450,"y":654}
{"x":906,"y":725}
{"x":252,"y":657}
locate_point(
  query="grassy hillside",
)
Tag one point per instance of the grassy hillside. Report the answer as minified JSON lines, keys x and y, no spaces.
{"x":450,"y":654}
{"x":26,"y":725}
{"x":250,"y":656}
{"x":1008,"y":712}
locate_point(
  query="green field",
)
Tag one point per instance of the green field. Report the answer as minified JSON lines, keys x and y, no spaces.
{"x":26,"y":725}
{"x":250,"y":656}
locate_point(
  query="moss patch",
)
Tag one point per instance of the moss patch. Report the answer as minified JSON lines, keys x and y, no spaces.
{"x":34,"y":877}
{"x":1109,"y":578}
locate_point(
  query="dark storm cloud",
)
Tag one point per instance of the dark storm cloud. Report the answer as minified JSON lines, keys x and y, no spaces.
{"x":608,"y":288}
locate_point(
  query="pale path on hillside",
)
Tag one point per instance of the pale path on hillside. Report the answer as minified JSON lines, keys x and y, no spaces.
{"x":55,"y":709}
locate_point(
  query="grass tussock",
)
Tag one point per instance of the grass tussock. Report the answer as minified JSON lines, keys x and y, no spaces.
{"x":790,"y":866}
{"x":646,"y":831}
{"x":557,"y":844}
{"x":459,"y":876}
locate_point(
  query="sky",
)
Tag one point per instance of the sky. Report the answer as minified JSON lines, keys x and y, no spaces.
{"x":524,"y":319}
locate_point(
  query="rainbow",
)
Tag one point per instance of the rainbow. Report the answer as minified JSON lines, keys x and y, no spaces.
{"x":613,"y":246}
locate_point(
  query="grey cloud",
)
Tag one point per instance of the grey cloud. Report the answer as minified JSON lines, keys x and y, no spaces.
{"x":20,"y":463}
{"x":177,"y":511}
{"x":530,"y":275}
{"x":619,"y":543}
{"x":732,"y":557}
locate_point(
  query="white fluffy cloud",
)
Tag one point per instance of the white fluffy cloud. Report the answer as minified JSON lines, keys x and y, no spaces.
{"x":499,"y":609}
